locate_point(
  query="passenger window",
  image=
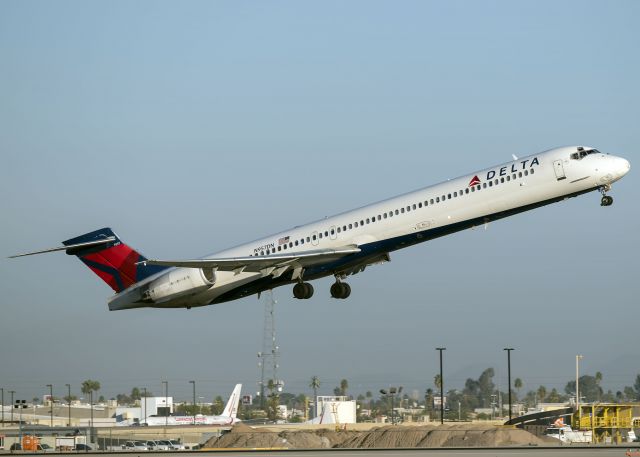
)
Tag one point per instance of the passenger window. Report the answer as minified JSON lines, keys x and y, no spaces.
{"x":484,"y":185}
{"x":326,"y":233}
{"x":513,"y":176}
{"x":350,"y":226}
{"x":437,"y":199}
{"x":379,"y":217}
{"x":309,"y":240}
{"x":333,"y":231}
{"x":414,"y":206}
{"x":490,"y":183}
{"x":431,"y":201}
{"x":502,"y":180}
{"x":385,"y":215}
{"x":367,"y":220}
{"x":449,"y":196}
{"x":397,"y":212}
{"x":455,"y":194}
{"x":390,"y":213}
{"x":320,"y":235}
{"x":473,"y":189}
{"x":283,"y":247}
{"x":339,"y":229}
{"x":296,"y":242}
{"x":532,"y":170}
{"x":302,"y":241}
{"x":508,"y":177}
{"x":466,"y":191}
{"x":355,"y":224}
{"x":520,"y":174}
{"x":402,"y":210}
{"x":526,"y":173}
{"x":279,"y":248}
{"x":361,"y":222}
{"x":290,"y":245}
{"x":420,"y":205}
{"x":408,"y":208}
{"x":314,"y":237}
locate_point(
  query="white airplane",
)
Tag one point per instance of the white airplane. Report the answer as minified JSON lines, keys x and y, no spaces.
{"x":228,"y":416}
{"x":347,"y":243}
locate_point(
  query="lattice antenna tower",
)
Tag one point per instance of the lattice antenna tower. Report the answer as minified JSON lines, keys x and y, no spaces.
{"x":268,"y":358}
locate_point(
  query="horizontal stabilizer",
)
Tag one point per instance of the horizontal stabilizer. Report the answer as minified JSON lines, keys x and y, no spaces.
{"x":71,"y":246}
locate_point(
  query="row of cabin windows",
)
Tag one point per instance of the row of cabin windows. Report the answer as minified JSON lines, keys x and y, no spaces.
{"x":390,"y":214}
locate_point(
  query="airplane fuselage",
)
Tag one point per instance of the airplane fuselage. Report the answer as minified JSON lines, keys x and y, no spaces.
{"x":399,"y":222}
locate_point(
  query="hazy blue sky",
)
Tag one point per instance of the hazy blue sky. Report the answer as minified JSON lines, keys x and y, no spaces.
{"x":189,"y":127}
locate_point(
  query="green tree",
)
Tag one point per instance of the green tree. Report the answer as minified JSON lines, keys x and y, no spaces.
{"x":542,"y":394}
{"x":518,"y":385}
{"x":315,"y":385}
{"x":89,"y":387}
{"x":135,"y":394}
{"x":217,"y":406}
{"x":437,"y":381}
{"x":344,"y":385}
{"x":636,"y":386}
{"x":589,"y":388}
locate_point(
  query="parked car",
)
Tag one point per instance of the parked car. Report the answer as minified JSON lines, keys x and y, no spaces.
{"x":82,"y":447}
{"x":176,"y":446}
{"x":43,"y":447}
{"x":160,"y":445}
{"x":135,"y":446}
{"x":16,"y":447}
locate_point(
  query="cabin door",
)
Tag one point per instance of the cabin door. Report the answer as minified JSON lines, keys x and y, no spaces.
{"x":559,"y":170}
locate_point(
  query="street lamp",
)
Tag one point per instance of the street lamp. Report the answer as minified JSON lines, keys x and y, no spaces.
{"x":50,"y":386}
{"x":12,"y":392}
{"x":194,"y":401}
{"x":509,"y":377}
{"x":578,"y":357}
{"x":2,"y":390}
{"x":166,"y":402}
{"x":392,"y":394}
{"x":69,"y":402}
{"x":145,"y":404}
{"x":441,"y":387}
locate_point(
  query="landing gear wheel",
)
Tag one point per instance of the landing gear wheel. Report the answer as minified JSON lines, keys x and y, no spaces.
{"x":340,"y":290}
{"x":606,"y":200}
{"x":303,"y":291}
{"x":308,"y":288}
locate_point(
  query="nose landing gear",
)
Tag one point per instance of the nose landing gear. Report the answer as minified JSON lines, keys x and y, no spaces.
{"x":606,"y":199}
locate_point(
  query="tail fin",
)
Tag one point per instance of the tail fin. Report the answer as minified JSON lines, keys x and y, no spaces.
{"x":113,"y":261}
{"x":231,"y":410}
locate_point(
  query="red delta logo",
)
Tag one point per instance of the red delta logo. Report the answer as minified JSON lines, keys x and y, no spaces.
{"x":474,"y":181}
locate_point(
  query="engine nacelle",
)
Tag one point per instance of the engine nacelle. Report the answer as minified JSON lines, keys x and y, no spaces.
{"x":178,"y":283}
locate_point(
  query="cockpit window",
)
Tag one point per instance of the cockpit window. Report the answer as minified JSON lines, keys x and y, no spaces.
{"x":583,"y":153}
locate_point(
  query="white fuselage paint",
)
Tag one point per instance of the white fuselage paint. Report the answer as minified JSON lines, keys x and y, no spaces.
{"x":555,"y":175}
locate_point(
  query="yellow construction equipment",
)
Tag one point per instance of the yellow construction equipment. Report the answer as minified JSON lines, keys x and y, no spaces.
{"x":607,"y":421}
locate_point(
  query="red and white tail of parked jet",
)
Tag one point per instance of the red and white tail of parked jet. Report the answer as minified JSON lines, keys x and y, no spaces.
{"x":345,"y":244}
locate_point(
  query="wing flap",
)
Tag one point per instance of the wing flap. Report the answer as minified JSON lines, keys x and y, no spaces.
{"x":260,"y":264}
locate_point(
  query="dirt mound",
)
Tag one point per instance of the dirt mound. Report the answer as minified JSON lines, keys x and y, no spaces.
{"x":426,"y":436}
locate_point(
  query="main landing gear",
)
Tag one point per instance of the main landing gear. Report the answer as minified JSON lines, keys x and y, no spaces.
{"x":606,"y":199}
{"x":303,"y":290}
{"x":340,"y":290}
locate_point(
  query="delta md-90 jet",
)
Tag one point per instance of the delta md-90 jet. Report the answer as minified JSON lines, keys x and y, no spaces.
{"x":347,"y":243}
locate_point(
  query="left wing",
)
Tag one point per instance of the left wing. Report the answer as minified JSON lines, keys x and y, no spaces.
{"x":273,"y":264}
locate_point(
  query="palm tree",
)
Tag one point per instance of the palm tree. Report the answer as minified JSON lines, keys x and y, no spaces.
{"x":542,"y":393}
{"x":315,"y":384}
{"x":437,"y":381}
{"x":344,"y":385}
{"x":518,"y":385}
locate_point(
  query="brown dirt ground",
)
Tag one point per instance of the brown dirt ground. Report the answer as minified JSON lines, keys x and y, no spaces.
{"x":450,"y":435}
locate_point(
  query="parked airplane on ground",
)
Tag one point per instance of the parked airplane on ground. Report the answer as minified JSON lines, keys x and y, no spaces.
{"x":347,"y":243}
{"x":228,"y":416}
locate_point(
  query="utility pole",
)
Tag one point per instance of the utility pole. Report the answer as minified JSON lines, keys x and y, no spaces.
{"x":50,"y":386}
{"x":509,"y":376}
{"x":441,"y":387}
{"x":270,"y":354}
{"x":166,"y":402}
{"x":194,"y":401}
{"x":12,"y":392}
{"x":145,"y":404}
{"x":2,"y":390}
{"x":578,"y":357}
{"x":69,"y":402}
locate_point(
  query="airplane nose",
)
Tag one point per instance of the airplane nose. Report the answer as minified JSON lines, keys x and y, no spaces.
{"x":624,"y":167}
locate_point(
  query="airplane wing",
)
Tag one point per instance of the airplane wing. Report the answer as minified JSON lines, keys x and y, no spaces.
{"x":273,"y":264}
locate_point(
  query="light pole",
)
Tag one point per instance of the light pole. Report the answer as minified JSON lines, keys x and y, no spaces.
{"x":69,"y":402}
{"x":509,"y":377}
{"x":145,"y":404}
{"x":91,"y":406}
{"x":166,"y":402}
{"x":392,"y":394}
{"x":12,"y":392}
{"x":50,"y":386}
{"x":578,"y":357}
{"x":194,"y":401}
{"x":2,"y":390}
{"x":441,"y":387}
